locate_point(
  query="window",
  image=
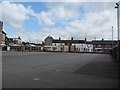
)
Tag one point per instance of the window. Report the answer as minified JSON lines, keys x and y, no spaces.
{"x":54,"y":48}
{"x":61,"y":48}
{"x":106,"y":46}
{"x":49,"y":43}
{"x":66,"y":44}
{"x":99,"y":45}
{"x":110,"y":46}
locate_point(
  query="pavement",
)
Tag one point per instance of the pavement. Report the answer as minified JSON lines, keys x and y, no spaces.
{"x":58,"y":70}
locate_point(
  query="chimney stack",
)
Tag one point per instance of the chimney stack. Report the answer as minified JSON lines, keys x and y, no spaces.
{"x":102,"y":39}
{"x":59,"y":38}
{"x":85,"y":39}
{"x":1,"y":26}
{"x":71,"y":38}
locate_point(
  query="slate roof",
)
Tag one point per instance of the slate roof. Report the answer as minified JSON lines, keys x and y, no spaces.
{"x":107,"y":42}
{"x":68,"y":41}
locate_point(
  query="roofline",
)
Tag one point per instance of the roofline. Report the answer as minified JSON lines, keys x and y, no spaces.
{"x":4,"y":32}
{"x":13,"y":38}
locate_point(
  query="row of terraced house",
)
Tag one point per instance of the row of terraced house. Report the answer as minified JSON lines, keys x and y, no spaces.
{"x":56,"y":45}
{"x":94,"y":46}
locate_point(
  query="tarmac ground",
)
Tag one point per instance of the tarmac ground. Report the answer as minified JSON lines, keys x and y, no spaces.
{"x":58,"y":70}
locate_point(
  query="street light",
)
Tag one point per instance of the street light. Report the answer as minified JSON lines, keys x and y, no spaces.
{"x":85,"y":43}
{"x":112,"y":37}
{"x":117,"y":7}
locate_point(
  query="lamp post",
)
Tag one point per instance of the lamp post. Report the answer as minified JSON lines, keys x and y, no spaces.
{"x":85,"y":44}
{"x":112,"y":37}
{"x":117,"y":7}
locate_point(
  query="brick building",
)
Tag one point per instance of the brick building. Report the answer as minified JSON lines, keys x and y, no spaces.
{"x":103,"y":46}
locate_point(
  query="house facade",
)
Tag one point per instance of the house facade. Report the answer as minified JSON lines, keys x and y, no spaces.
{"x":14,"y":43}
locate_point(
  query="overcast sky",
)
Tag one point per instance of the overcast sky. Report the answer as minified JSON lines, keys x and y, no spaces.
{"x":33,"y":21}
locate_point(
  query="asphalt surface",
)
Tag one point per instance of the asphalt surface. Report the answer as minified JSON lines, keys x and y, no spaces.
{"x":58,"y":70}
